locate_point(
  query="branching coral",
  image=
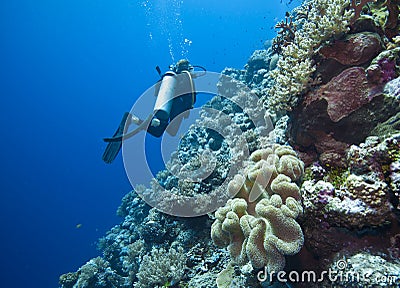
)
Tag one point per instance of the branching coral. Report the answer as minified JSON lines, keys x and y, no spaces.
{"x":357,"y":6}
{"x":285,"y":35}
{"x":161,"y":267}
{"x":259,"y":225}
{"x":324,"y":19}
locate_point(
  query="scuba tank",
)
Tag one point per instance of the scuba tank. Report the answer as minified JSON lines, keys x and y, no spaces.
{"x":166,"y":94}
{"x":176,"y":95}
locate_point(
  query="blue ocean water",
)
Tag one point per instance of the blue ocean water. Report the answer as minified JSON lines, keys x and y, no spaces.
{"x":68,"y":71}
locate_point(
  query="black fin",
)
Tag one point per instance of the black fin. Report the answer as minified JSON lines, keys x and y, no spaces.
{"x":113,"y":148}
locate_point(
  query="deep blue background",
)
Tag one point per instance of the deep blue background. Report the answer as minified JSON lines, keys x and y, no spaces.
{"x":68,"y":70}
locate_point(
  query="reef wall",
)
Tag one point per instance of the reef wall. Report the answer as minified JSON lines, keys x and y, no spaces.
{"x":321,"y":193}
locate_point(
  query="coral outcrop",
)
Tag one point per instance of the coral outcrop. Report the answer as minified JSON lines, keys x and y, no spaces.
{"x":95,"y":273}
{"x":161,"y":268}
{"x":259,"y":224}
{"x":365,"y":271}
{"x":355,"y":49}
{"x":317,"y":22}
{"x":364,"y":196}
{"x":326,"y":119}
{"x":133,"y":248}
{"x":230,"y":126}
{"x":350,"y":87}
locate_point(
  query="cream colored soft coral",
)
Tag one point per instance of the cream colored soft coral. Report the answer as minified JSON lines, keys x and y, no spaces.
{"x":259,"y":226}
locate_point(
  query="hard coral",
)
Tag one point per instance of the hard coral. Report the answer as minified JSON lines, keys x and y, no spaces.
{"x":265,"y":230}
{"x":357,"y":205}
{"x":95,"y":273}
{"x":326,"y":119}
{"x":324,"y":19}
{"x":366,"y":193}
{"x":357,"y":6}
{"x":363,"y":270}
{"x":161,"y":267}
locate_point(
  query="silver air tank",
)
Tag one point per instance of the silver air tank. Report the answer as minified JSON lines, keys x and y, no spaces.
{"x":165,"y":96}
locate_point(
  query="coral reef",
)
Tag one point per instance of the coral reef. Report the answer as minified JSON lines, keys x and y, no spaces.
{"x":318,"y":21}
{"x":362,"y":197}
{"x":259,"y":224}
{"x":150,"y":249}
{"x":325,"y":120}
{"x":344,"y":94}
{"x":333,"y":69}
{"x":353,"y":86}
{"x":365,"y":271}
{"x":257,"y":67}
{"x":135,"y":248}
{"x":230,"y":127}
{"x":355,"y":49}
{"x":95,"y":273}
{"x":161,"y":268}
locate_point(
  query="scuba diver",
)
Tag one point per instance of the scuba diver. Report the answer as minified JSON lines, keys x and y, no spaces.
{"x":176,"y":96}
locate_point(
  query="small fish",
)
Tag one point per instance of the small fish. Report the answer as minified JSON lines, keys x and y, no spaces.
{"x":79,"y":225}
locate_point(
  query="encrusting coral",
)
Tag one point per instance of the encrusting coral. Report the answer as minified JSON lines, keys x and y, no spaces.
{"x":259,"y":224}
{"x":364,"y":270}
{"x":360,"y":204}
{"x":364,"y":192}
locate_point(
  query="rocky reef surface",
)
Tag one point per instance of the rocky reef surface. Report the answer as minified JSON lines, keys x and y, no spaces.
{"x":317,"y":199}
